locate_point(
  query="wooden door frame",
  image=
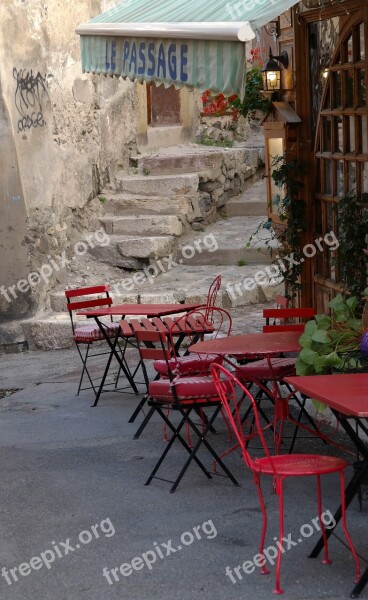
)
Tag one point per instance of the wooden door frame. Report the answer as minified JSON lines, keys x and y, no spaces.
{"x":306,"y":138}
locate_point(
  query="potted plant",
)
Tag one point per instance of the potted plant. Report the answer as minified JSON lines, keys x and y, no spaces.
{"x":337,"y":342}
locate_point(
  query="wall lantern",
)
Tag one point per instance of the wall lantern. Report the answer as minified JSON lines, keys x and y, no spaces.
{"x":271,"y":72}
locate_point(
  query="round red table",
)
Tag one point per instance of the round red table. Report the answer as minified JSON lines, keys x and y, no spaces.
{"x":251,"y":344}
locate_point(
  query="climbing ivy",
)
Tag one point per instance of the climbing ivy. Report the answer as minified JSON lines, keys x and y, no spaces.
{"x":352,"y":223}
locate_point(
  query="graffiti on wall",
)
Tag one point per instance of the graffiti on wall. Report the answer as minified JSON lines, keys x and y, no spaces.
{"x":30,"y":95}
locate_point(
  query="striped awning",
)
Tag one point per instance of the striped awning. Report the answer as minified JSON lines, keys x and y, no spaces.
{"x":194,"y":43}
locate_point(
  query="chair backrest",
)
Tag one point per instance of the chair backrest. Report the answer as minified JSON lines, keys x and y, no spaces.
{"x":155,"y":345}
{"x":281,"y":301}
{"x":286,"y":319}
{"x":230,"y":390}
{"x":213,"y":291}
{"x":89,"y":297}
{"x":197,"y":323}
{"x":146,"y":345}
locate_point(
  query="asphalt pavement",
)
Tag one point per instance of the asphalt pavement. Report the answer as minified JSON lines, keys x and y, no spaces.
{"x":78,"y":523}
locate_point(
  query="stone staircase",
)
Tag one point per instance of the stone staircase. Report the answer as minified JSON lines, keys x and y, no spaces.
{"x":159,"y":232}
{"x":167,"y":194}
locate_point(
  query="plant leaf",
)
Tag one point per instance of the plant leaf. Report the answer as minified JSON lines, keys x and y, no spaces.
{"x":321,"y":336}
{"x":302,"y":368}
{"x":323,"y":321}
{"x":322,"y":362}
{"x":308,"y":356}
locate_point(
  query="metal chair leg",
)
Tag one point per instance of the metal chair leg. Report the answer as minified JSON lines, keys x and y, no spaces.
{"x":280,"y":492}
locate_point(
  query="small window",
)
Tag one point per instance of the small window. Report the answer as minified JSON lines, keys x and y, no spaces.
{"x":364,"y":134}
{"x":339,"y":178}
{"x":326,"y":133}
{"x":349,"y":51}
{"x":336,"y":89}
{"x":338,"y":135}
{"x":362,"y":88}
{"x":361,"y":42}
{"x":364,"y":180}
{"x":352,"y":176}
{"x":351,"y":135}
{"x":349,"y":88}
{"x":327,"y":179}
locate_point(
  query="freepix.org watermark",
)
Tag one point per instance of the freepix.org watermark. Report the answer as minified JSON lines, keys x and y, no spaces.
{"x":275,"y":272}
{"x":207,"y":243}
{"x":159,"y":552}
{"x":236,"y":9}
{"x":55,"y":263}
{"x":59,"y":550}
{"x":270,"y":553}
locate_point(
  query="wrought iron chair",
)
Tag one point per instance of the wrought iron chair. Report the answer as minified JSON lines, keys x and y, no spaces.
{"x":273,"y":370}
{"x":86,"y":336}
{"x":213,"y":292}
{"x":280,"y":467}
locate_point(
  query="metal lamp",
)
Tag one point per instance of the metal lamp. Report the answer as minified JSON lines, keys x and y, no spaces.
{"x":271,"y":72}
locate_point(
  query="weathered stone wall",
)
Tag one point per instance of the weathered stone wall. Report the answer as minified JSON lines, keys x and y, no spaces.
{"x":231,"y":168}
{"x":70,"y":132}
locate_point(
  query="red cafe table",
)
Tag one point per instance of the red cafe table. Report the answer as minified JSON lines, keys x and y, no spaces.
{"x":250,"y":344}
{"x":159,"y":311}
{"x":346,"y":394}
{"x":256,"y":345}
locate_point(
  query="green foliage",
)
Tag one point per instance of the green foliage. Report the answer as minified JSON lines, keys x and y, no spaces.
{"x":352,"y":223}
{"x":291,"y":212}
{"x":206,"y":141}
{"x":331,"y":343}
{"x":102,"y":199}
{"x":253,"y":100}
{"x":242,"y":262}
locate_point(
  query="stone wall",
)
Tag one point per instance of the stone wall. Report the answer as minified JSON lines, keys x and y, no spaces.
{"x":70,"y":133}
{"x":231,"y":169}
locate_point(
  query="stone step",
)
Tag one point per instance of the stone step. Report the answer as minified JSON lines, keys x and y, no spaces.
{"x":182,"y":162}
{"x":245,"y":207}
{"x":146,"y":247}
{"x":133,"y":204}
{"x":160,"y":185}
{"x":124,"y":250}
{"x":252,"y":202}
{"x":143,"y":225}
{"x":197,"y":158}
{"x":51,"y":331}
{"x":225,"y":243}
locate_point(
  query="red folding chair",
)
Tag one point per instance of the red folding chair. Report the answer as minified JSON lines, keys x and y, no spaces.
{"x":175,"y":392}
{"x":87,"y":336}
{"x":279,"y":467}
{"x":193,"y":326}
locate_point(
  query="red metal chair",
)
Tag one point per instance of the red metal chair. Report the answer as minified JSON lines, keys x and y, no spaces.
{"x":273,"y":370}
{"x":278,"y":466}
{"x":208,"y":320}
{"x":183,"y":394}
{"x":213,"y":291}
{"x":85,"y":336}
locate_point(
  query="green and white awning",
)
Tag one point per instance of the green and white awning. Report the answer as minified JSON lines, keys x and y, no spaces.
{"x":196,"y":43}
